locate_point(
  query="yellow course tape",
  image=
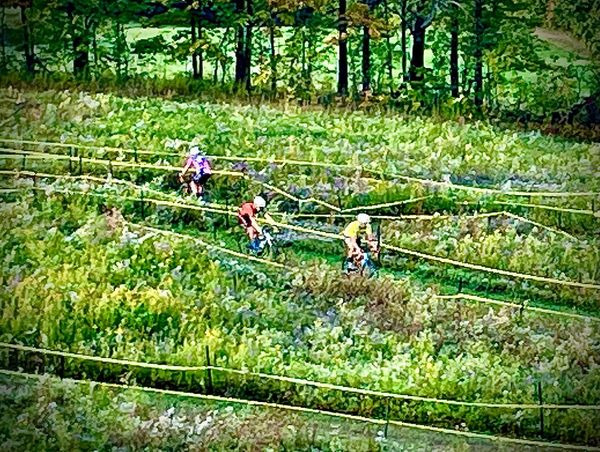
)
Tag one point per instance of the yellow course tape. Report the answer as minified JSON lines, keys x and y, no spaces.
{"x":18,"y":173}
{"x":44,"y":156}
{"x":390,"y":247}
{"x":399,"y":217}
{"x":540,"y":225}
{"x":546,"y":207}
{"x":323,"y":203}
{"x":525,"y":305}
{"x":483,"y":436}
{"x":301,"y":381}
{"x":108,"y":180}
{"x":497,"y":271}
{"x":449,"y":261}
{"x":437,"y":217}
{"x":208,"y":245}
{"x":90,"y":147}
{"x":387,"y":204}
{"x":324,"y":165}
{"x":14,"y":153}
{"x":484,"y":190}
{"x":475,"y":298}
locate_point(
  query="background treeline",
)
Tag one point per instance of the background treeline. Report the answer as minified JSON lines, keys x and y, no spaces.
{"x":452,"y":55}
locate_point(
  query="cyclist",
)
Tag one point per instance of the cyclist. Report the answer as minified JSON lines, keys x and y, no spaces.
{"x":202,"y":171}
{"x":353,"y":234}
{"x":247,"y":218}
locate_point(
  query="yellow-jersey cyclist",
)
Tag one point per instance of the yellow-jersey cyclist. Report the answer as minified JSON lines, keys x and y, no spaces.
{"x":354,"y":233}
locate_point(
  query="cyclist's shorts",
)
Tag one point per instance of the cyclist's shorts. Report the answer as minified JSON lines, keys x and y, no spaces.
{"x":201,"y":178}
{"x":245,"y":221}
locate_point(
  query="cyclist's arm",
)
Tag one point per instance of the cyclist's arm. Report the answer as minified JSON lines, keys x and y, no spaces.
{"x":255,"y":225}
{"x":269,"y":219}
{"x":352,"y":244}
{"x":185,"y":168}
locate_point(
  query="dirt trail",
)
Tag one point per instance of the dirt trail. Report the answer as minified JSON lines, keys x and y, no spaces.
{"x":564,"y":41}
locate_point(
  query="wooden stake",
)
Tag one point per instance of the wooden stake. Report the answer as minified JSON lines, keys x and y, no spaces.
{"x":541,"y":402}
{"x":208,"y":371}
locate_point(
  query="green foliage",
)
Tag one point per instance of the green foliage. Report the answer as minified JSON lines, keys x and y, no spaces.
{"x":95,"y":286}
{"x":289,"y":49}
{"x":580,"y":18}
{"x":135,"y":420}
{"x":79,"y":280}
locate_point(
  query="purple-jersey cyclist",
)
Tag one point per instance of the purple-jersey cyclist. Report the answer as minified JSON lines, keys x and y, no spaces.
{"x":202,"y":170}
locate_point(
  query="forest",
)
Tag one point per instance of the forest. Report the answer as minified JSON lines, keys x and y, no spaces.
{"x":451,"y":57}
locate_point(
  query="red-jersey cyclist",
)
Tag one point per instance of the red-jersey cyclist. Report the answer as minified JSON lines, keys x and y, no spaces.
{"x":247,"y":218}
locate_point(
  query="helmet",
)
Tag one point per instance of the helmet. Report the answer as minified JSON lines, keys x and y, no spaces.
{"x":259,"y":202}
{"x":194,"y":151}
{"x":363,"y":218}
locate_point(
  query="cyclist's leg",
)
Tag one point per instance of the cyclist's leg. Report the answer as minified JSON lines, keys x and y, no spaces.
{"x":252,"y":234}
{"x":202,"y":182}
{"x":349,"y":264}
{"x":193,"y":187}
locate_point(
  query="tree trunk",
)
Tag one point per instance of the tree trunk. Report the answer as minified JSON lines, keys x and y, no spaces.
{"x":309,"y":65}
{"x":200,"y":53}
{"x":27,"y":42}
{"x":124,"y":49}
{"x":389,"y":56}
{"x":248,"y":50}
{"x":417,"y":59}
{"x":273,"y":59}
{"x":217,"y":61}
{"x":366,"y":60}
{"x":194,"y":41}
{"x":3,"y":37}
{"x":240,"y":53}
{"x":95,"y":49}
{"x":79,"y":45}
{"x":303,"y":55}
{"x":343,"y":50}
{"x":478,"y":53}
{"x":403,"y":41}
{"x":549,"y":19}
{"x":80,"y":55}
{"x":454,"y":55}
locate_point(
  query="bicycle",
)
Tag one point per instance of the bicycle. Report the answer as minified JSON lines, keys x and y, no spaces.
{"x":268,"y":244}
{"x":361,"y":264}
{"x":185,"y":187}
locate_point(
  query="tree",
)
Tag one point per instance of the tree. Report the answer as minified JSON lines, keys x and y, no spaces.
{"x":342,"y":87}
{"x":28,"y":45}
{"x":422,"y":14}
{"x":454,"y":30}
{"x":197,"y":66}
{"x":240,"y":54}
{"x":361,"y":15}
{"x":27,"y":40}
{"x":478,"y":54}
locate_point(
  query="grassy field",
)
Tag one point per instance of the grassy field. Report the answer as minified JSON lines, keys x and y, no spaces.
{"x":165,"y":421}
{"x":77,"y":277}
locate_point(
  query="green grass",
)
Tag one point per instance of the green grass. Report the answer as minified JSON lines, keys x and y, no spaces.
{"x":79,"y":280}
{"x":165,"y":421}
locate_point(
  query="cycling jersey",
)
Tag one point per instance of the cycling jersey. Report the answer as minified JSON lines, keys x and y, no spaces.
{"x":200,"y":164}
{"x":354,"y":229}
{"x":245,"y":212}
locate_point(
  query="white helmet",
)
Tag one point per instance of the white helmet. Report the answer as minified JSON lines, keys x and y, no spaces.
{"x":194,"y":151}
{"x":363,"y":218}
{"x":259,"y":202}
